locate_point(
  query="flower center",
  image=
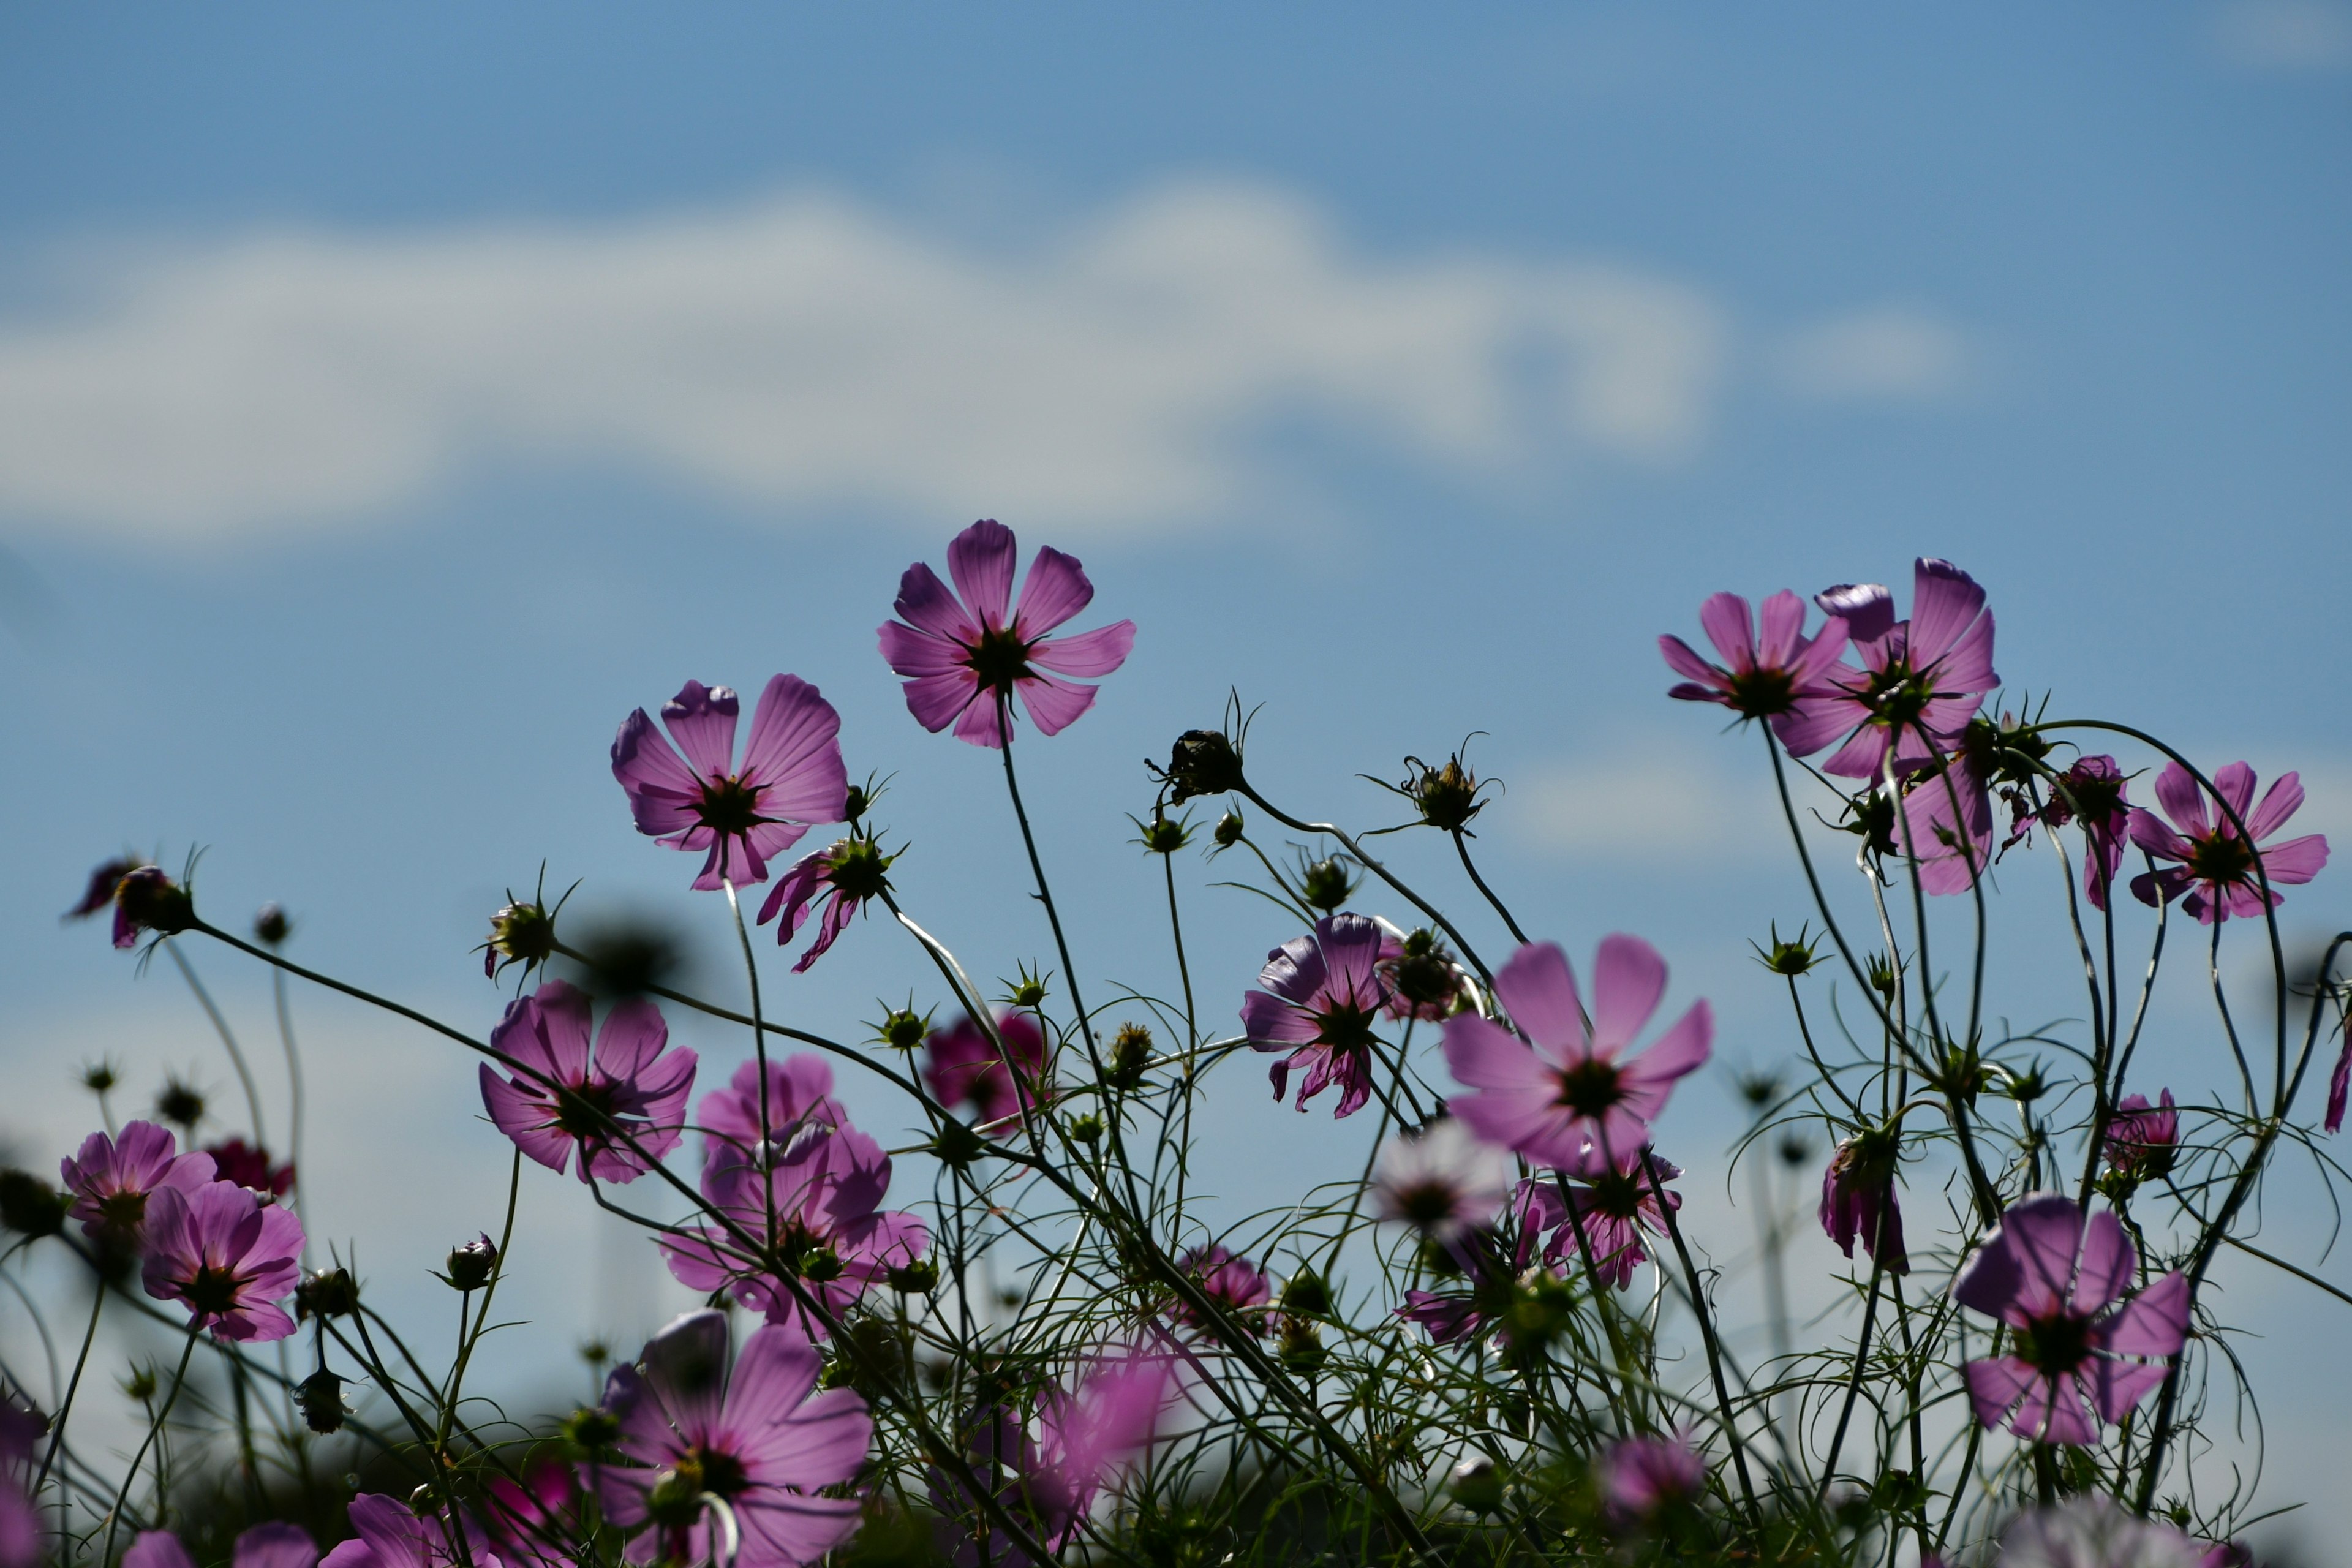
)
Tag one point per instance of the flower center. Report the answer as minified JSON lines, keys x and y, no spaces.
{"x":1898,"y":695}
{"x":1590,"y":1087}
{"x":585,"y":1110}
{"x":1759,"y":693}
{"x":122,"y":1211}
{"x":1426,"y":1205}
{"x":1345,"y":1027}
{"x":675,"y":1499}
{"x":999,"y":658}
{"x":855,"y":869}
{"x":2055,"y":1344}
{"x":2224,"y":858}
{"x":729,"y":806}
{"x":1618,"y":1195}
{"x":212,"y":1290}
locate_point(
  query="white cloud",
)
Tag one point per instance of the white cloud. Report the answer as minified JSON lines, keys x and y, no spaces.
{"x":809,"y":350}
{"x":1887,"y":352}
{"x":2285,"y":35}
{"x":1651,"y":800}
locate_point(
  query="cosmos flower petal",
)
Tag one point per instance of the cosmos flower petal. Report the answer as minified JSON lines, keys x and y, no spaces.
{"x":1055,"y":589}
{"x":795,"y":752}
{"x":1945,"y":603}
{"x":157,"y":1549}
{"x":1687,"y":664}
{"x":661,"y":790}
{"x":824,"y":1440}
{"x":2153,"y":1323}
{"x":2107,"y":1263}
{"x":1272,"y":1024}
{"x":775,"y":1370}
{"x":2296,"y":859}
{"x":1681,"y":1050}
{"x":1538,"y":989}
{"x":701,"y":719}
{"x":792,"y":1527}
{"x":1054,"y":704}
{"x":1483,"y":1055}
{"x":2280,"y":801}
{"x":2234,"y":783}
{"x":562,"y":1025}
{"x":2053,"y":1412}
{"x":910,"y":651}
{"x":2044,"y":1233}
{"x":927,"y":604}
{"x":1867,"y":608}
{"x":1860,"y":757}
{"x":981,"y":724}
{"x":1781,"y":630}
{"x":2183,"y":799}
{"x":1628,"y":978}
{"x":1352,"y":956}
{"x":1094,"y":653}
{"x":1728,"y":622}
{"x":980,"y":560}
{"x":686,"y":1371}
{"x":1996,"y":1385}
{"x":278,"y":1544}
{"x":2116,"y":1385}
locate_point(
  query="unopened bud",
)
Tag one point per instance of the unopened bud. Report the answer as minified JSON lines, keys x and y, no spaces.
{"x":469,"y":1266}
{"x":328,"y":1293}
{"x":1229,"y":830}
{"x":1304,"y":1291}
{"x":148,"y":899}
{"x":320,"y":1395}
{"x":271,"y":926}
{"x":919,"y":1277}
{"x":1202,"y":761}
{"x":29,"y":1205}
{"x":592,"y":1428}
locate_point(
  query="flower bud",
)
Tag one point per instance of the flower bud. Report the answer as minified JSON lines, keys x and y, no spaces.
{"x":29,"y":1205}
{"x":919,"y":1277}
{"x":1447,"y":797}
{"x":320,"y":1395}
{"x":1202,"y":761}
{"x":902,"y":1028}
{"x":469,"y":1266}
{"x":520,"y":934}
{"x":1304,"y":1291}
{"x":180,"y":1103}
{"x":147,"y":900}
{"x":1086,"y":1129}
{"x":1229,"y":830}
{"x":1028,"y":990}
{"x":1477,"y":1485}
{"x":271,"y":926}
{"x":1165,"y":836}
{"x":1789,"y":958}
{"x":100,"y":1077}
{"x":1326,"y":885}
{"x":1299,"y":1346}
{"x":328,"y":1293}
{"x":140,"y":1385}
{"x":957,"y":1145}
{"x":591,"y":1427}
{"x":821,"y":1266}
{"x":1130,"y":1052}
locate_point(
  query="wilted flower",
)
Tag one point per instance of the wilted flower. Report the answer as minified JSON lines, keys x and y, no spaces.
{"x":1922,"y":679}
{"x":2051,"y":1275}
{"x":276,"y":1544}
{"x":1641,"y":1478}
{"x":1573,"y":1091}
{"x":1322,"y":994}
{"x":965,"y":659}
{"x":2216,"y":866}
{"x":1781,"y":677}
{"x":1858,"y":1198}
{"x":965,"y":1068}
{"x":1425,"y":981}
{"x":1616,"y":1202}
{"x":320,"y":1395}
{"x":2339,"y":1083}
{"x":147,"y":900}
{"x":103,"y":880}
{"x":2143,"y":1139}
{"x":1233,"y":1283}
{"x":633,"y":1087}
{"x":1442,"y":1182}
{"x":844,"y":876}
{"x":227,"y":1257}
{"x":2093,"y":792}
{"x":792,"y":775}
{"x":1446,"y":797}
{"x":113,"y":1179}
{"x":761,"y":1441}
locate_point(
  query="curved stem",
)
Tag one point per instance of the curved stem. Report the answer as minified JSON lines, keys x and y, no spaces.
{"x":130,"y":1476}
{"x":227,"y":1036}
{"x":65,"y":1406}
{"x":1461,"y":847}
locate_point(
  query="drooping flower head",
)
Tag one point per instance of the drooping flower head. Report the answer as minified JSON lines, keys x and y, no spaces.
{"x":964,"y":1068}
{"x":391,"y":1534}
{"x":1048,"y":1468}
{"x":249,"y":1166}
{"x":227,"y":1257}
{"x":2094,"y":1531}
{"x":965,"y":659}
{"x":740,"y":817}
{"x":631,"y":1087}
{"x":113,"y":1179}
{"x":1443,"y":1183}
{"x":2143,"y":1139}
{"x":1323,"y":993}
{"x":276,"y":1544}
{"x":1615,"y":1203}
{"x":843,"y":877}
{"x":1575,"y":1091}
{"x":2215,"y":867}
{"x":103,"y":880}
{"x":1781,"y":676}
{"x":1921,"y":680}
{"x":2093,"y":793}
{"x":1641,"y":1478}
{"x":1231,"y":1282}
{"x":1858,"y":1198}
{"x":759,"y":1439}
{"x":2052,"y":1276}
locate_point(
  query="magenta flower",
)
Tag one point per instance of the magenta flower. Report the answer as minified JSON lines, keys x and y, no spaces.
{"x":1233,"y":1283}
{"x":530,"y":1520}
{"x":2092,"y":792}
{"x":742,"y":817}
{"x":1921,"y":680}
{"x":227,"y":1257}
{"x":1322,"y":994}
{"x":2216,"y":866}
{"x":112,"y":1179}
{"x":963,"y":1069}
{"x":966,"y":657}
{"x":1615,"y":1205}
{"x":1049,"y":1470}
{"x":761,"y":1440}
{"x":800,"y":1093}
{"x":277,"y":1544}
{"x":1423,"y":980}
{"x":393,"y":1535}
{"x":249,"y":1166}
{"x":632,"y":1087}
{"x":1641,"y":1478}
{"x":2339,"y":1083}
{"x":1443,"y":1183}
{"x":1948,"y":825}
{"x":1858,"y":1198}
{"x":2143,"y":1139}
{"x":99,"y":892}
{"x":1782,"y":676}
{"x":20,"y":1523}
{"x":823,"y":1180}
{"x":2051,"y":1275}
{"x":1573,"y":1091}
{"x":843,"y":877}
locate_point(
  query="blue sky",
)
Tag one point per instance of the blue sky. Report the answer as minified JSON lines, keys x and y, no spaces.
{"x":392,"y":397}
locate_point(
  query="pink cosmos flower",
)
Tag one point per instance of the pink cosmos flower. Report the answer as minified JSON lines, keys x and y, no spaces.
{"x":393,"y":1535}
{"x":1233,"y":1283}
{"x":1781,"y":677}
{"x":2051,"y":1275}
{"x":633,"y":1085}
{"x":529,"y":1519}
{"x":800,"y":1093}
{"x":277,"y":1544}
{"x":20,"y":1523}
{"x":1641,"y":1478}
{"x":1322,"y":994}
{"x":844,"y":876}
{"x":742,"y":817}
{"x":963,"y":1069}
{"x":103,"y":880}
{"x":759,"y":1439}
{"x":2143,"y":1139}
{"x":1615,"y":1205}
{"x":227,"y":1257}
{"x":2216,"y":866}
{"x":249,"y":1166}
{"x":112,"y":1179}
{"x":966,"y":657}
{"x":2094,"y":1531}
{"x":1947,"y":821}
{"x":1443,"y":1183}
{"x":1573,"y":1091}
{"x":1921,"y":680}
{"x":824,"y":1182}
{"x":1858,"y":1199}
{"x":2092,"y":792}
{"x":1423,"y":980}
{"x":1048,"y":1469}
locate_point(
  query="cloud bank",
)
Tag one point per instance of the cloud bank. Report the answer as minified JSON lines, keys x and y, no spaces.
{"x":809,"y":351}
